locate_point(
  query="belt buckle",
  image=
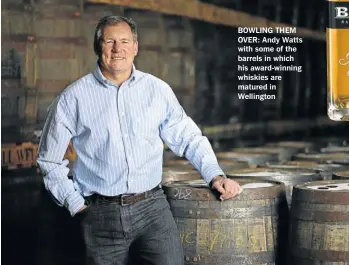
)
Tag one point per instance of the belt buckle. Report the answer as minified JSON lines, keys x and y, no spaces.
{"x":122,"y":199}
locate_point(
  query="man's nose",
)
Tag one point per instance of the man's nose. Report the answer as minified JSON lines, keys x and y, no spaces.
{"x":116,"y":46}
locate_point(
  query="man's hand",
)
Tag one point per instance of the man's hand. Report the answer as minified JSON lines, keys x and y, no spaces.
{"x":227,"y":187}
{"x":82,"y":209}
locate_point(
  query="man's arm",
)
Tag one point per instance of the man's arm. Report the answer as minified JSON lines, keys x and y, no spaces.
{"x":58,"y":130}
{"x":184,"y":138}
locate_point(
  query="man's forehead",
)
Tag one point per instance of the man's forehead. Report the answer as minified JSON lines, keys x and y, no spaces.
{"x":117,"y":30}
{"x":120,"y":25}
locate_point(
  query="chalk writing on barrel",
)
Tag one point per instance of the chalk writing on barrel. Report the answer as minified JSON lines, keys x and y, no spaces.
{"x":239,"y":239}
{"x":210,"y":241}
{"x":182,"y":193}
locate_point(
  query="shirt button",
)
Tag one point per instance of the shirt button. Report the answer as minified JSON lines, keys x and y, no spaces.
{"x":125,"y":135}
{"x":122,"y":114}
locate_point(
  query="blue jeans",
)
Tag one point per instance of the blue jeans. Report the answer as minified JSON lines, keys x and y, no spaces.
{"x":140,"y":233}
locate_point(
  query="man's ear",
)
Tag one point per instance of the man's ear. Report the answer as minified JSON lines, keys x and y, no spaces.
{"x":136,"y":48}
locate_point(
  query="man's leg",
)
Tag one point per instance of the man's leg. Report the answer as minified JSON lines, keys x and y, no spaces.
{"x":105,"y":234}
{"x":158,"y":238}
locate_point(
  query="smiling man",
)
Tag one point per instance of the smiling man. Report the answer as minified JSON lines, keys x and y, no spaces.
{"x":117,"y":118}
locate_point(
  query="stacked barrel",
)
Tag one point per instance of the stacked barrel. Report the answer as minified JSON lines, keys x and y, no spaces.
{"x":320,"y":223}
{"x":293,"y":208}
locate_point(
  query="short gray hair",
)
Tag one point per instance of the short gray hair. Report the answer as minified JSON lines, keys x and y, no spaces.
{"x":111,"y":20}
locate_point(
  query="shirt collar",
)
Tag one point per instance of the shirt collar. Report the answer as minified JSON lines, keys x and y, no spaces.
{"x":97,"y":73}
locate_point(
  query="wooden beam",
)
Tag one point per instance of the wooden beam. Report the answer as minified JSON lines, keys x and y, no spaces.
{"x":209,"y":13}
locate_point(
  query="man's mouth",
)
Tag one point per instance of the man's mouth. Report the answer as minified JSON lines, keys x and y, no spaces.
{"x":117,"y":58}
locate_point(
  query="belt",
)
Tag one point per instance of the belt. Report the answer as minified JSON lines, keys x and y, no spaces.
{"x":125,"y":199}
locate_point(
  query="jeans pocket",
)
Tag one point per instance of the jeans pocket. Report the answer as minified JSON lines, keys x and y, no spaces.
{"x":85,"y":211}
{"x":158,"y":194}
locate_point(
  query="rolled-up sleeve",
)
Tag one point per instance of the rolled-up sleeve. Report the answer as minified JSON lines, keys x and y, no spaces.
{"x":57,"y":132}
{"x":185,"y":138}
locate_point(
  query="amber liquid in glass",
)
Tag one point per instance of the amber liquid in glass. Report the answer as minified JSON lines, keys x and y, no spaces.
{"x":337,"y":35}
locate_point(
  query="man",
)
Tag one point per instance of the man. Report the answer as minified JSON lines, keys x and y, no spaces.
{"x":117,"y":118}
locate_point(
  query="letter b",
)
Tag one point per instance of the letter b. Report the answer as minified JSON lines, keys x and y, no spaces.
{"x":342,"y":12}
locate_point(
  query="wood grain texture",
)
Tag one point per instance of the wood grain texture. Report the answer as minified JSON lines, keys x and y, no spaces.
{"x":245,"y":230}
{"x":209,"y":13}
{"x":320,"y":224}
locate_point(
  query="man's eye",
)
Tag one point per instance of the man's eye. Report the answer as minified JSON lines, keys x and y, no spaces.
{"x":109,"y":41}
{"x":125,"y":41}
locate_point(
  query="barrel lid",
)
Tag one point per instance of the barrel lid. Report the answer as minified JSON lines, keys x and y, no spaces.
{"x":180,"y":175}
{"x":289,"y":178}
{"x":330,"y":192}
{"x":342,"y":174}
{"x":253,"y":189}
{"x":331,"y":167}
{"x":301,"y":163}
{"x":344,"y":161}
{"x":330,"y":141}
{"x":257,"y":185}
{"x":285,"y":166}
{"x":258,"y":172}
{"x":252,"y":158}
{"x":174,"y":162}
{"x":185,"y":168}
{"x":321,"y":157}
{"x":262,"y":149}
{"x":201,"y":183}
{"x":230,"y":163}
{"x":304,"y":165}
{"x":240,"y":154}
{"x":335,"y":149}
{"x":293,"y":144}
{"x":330,"y":187}
{"x":276,"y":174}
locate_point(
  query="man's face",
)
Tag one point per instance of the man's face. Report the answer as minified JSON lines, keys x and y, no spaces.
{"x":118,"y":48}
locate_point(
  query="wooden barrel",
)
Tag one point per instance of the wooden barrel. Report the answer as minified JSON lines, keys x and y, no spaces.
{"x":230,"y":165}
{"x":335,"y":149}
{"x":186,"y":165}
{"x":177,"y":162}
{"x":283,"y":153}
{"x":289,"y":178}
{"x":321,"y":157}
{"x":343,"y":161}
{"x":341,"y":175}
{"x":176,"y":167}
{"x":248,"y":229}
{"x":301,"y":146}
{"x":325,"y":170}
{"x":320,"y":223}
{"x":168,"y":155}
{"x":251,"y":159}
{"x":184,"y":168}
{"x":330,"y":141}
{"x":180,"y":175}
